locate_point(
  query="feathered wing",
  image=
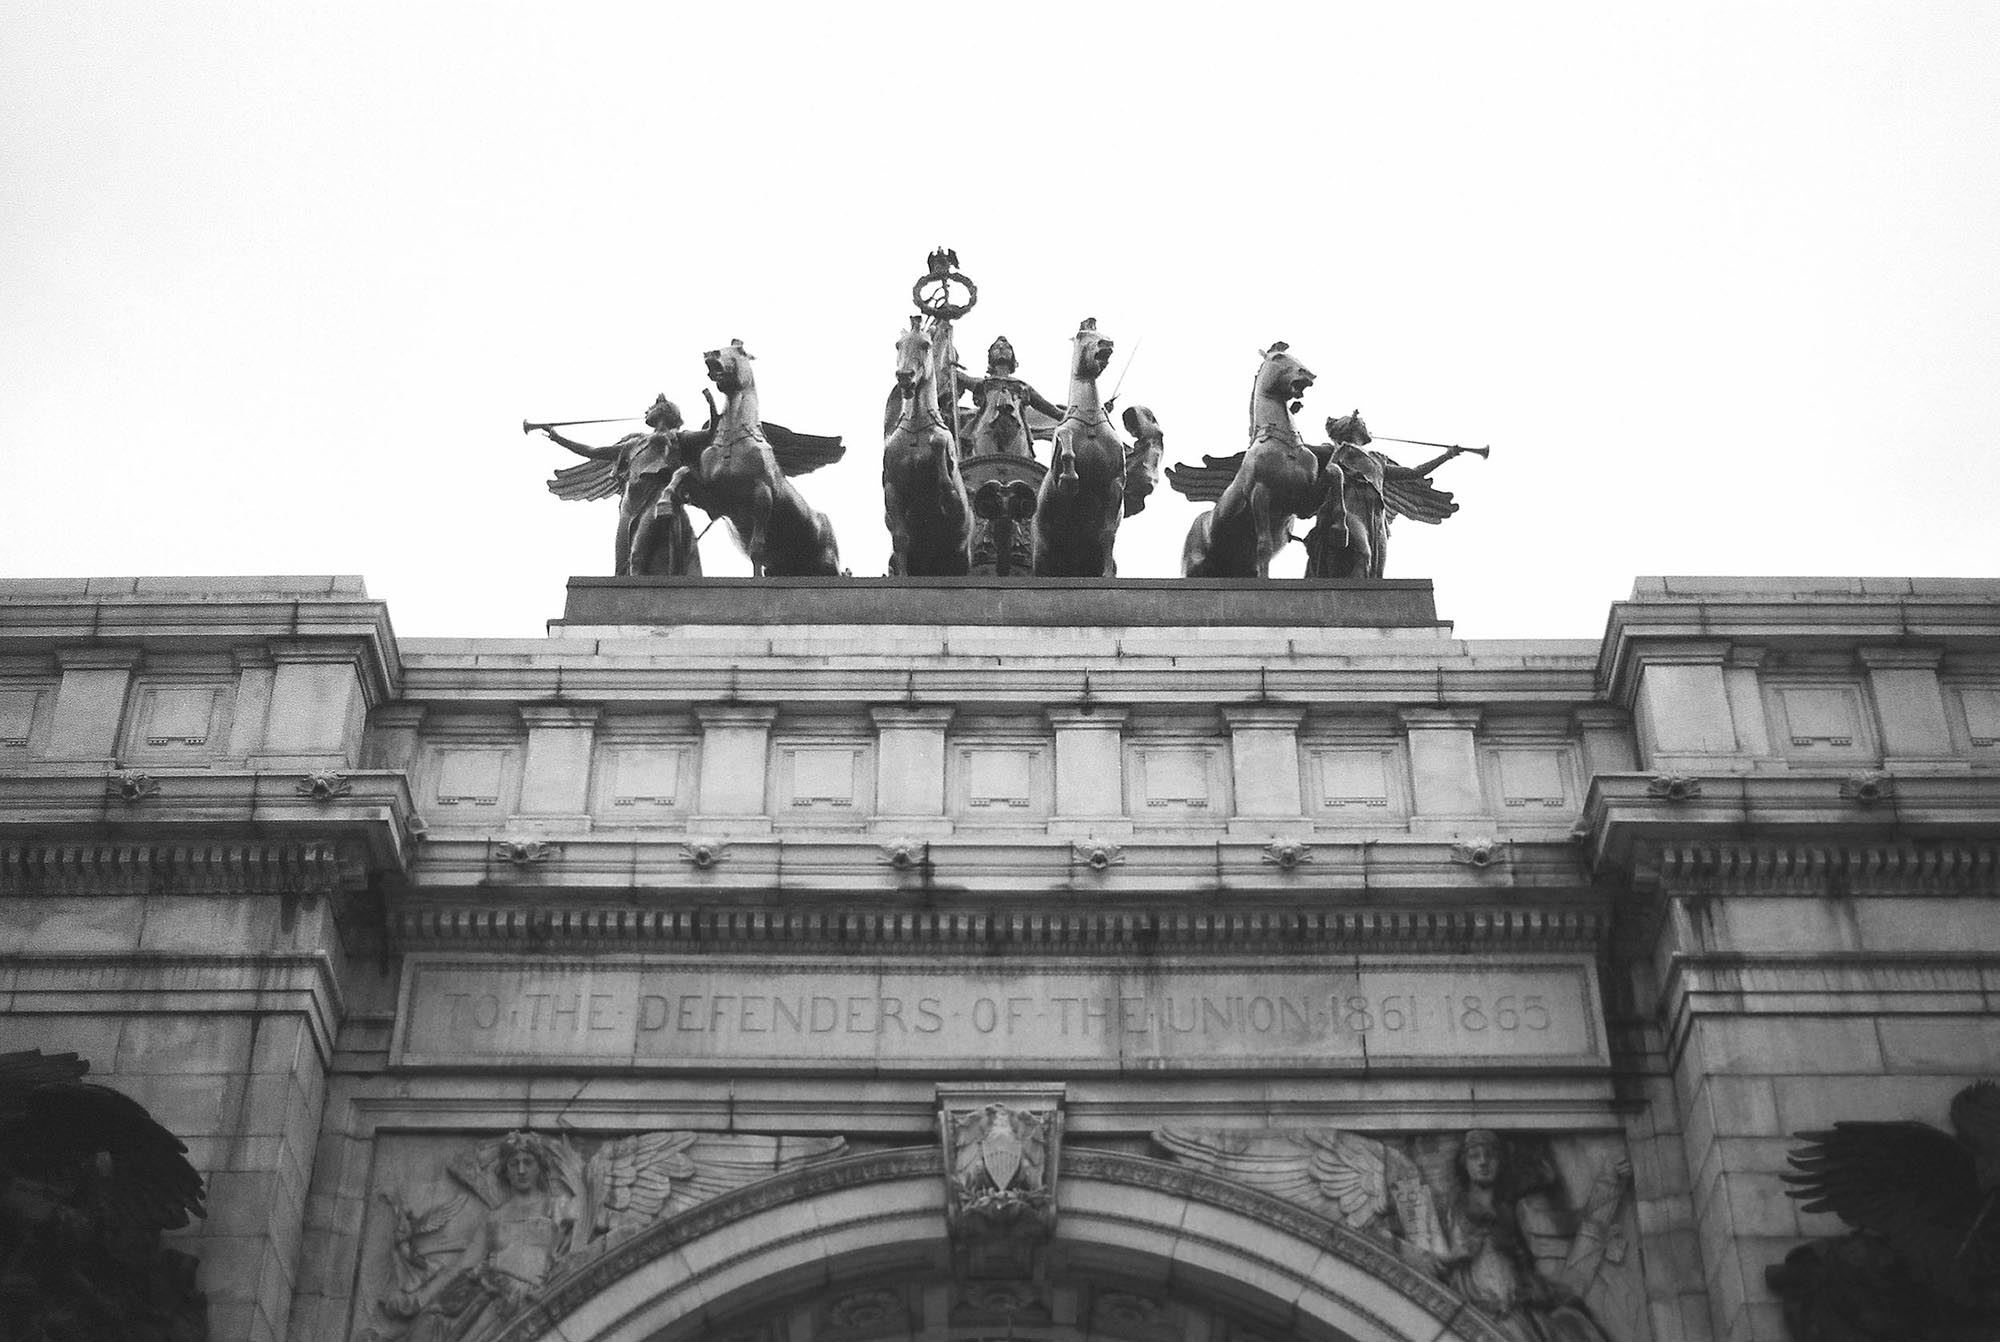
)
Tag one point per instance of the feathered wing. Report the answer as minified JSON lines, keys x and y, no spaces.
{"x":1274,"y":1164}
{"x":1408,"y":494}
{"x":151,"y":1181}
{"x":1205,"y":483}
{"x":1354,"y":1174}
{"x":724,"y":1162}
{"x":968,"y":1130}
{"x":478,"y":1168}
{"x":801,"y":453}
{"x":630,"y":1179}
{"x":586,"y":480}
{"x":1908,"y":1182}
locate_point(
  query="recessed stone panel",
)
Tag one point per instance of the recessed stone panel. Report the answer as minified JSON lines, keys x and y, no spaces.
{"x":1354,"y":784}
{"x":1819,"y":719}
{"x":172,"y":721}
{"x":1526,"y":782}
{"x":1176,"y":781}
{"x":823,"y":780}
{"x":638,"y":783}
{"x":471,"y":784}
{"x":1981,"y":708}
{"x":1000,"y":781}
{"x":19,"y":711}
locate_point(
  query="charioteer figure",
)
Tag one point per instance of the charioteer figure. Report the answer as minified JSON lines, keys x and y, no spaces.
{"x":1007,"y":414}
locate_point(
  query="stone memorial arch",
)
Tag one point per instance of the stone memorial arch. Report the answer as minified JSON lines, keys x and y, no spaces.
{"x":1004,"y":949}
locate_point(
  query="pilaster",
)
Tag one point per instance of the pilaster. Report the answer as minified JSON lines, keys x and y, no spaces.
{"x":735,"y":755}
{"x":1090,"y":771}
{"x":909,"y":769}
{"x":90,"y":702}
{"x":1909,"y":709}
{"x":555,"y":780}
{"x":1444,"y":770}
{"x":1264,"y":766}
{"x":318,"y":704}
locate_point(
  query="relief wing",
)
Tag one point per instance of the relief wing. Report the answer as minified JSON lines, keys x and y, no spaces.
{"x":59,"y":1123}
{"x":723,"y":1162}
{"x":585,"y":481}
{"x":1274,"y":1164}
{"x":801,"y":453}
{"x":1357,"y":1174}
{"x":631,"y":1178}
{"x":478,"y":1168}
{"x":1906,"y":1181}
{"x":1411,"y":495}
{"x":1204,"y":483}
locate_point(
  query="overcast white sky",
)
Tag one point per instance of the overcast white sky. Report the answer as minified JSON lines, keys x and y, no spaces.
{"x":1719,"y":283}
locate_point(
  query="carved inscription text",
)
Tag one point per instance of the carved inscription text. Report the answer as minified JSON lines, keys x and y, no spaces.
{"x":812,"y":1015}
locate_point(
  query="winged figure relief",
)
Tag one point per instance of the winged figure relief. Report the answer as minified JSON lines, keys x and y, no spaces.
{"x":1363,"y":1183}
{"x":535,"y":1202}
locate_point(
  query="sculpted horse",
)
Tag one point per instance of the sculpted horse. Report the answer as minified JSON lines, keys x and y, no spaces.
{"x":741,"y":470}
{"x":923,"y":493}
{"x":1276,"y":479}
{"x":1351,"y":536}
{"x":1082,"y":498}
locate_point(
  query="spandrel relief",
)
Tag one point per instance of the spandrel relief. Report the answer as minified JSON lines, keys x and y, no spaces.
{"x":462,"y":1239}
{"x":1535,"y":1232}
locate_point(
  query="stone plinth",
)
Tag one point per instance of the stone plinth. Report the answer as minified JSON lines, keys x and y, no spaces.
{"x":1106,"y":603}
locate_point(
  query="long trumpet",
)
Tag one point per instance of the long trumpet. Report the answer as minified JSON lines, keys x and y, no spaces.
{"x":1418,"y":442}
{"x":529,"y":427}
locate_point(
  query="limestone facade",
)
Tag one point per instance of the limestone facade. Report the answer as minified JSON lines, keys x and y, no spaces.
{"x":761,"y":893}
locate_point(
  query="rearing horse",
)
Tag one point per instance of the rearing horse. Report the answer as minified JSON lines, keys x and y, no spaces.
{"x":923,"y":493}
{"x":739,"y":476}
{"x":1279,"y":479}
{"x":1082,"y":497}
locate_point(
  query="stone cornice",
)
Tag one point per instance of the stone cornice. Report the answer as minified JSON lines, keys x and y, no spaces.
{"x":671,"y":679}
{"x":204,"y":614}
{"x":1953,"y":613}
{"x":252,"y":831}
{"x":1794,"y":832}
{"x":551,"y":926}
{"x":1219,"y":871}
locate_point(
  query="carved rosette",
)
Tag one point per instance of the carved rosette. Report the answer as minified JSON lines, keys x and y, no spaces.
{"x":1001,"y":1149}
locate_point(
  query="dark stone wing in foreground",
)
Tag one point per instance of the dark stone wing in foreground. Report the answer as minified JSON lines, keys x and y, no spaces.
{"x":1908,"y":1182}
{"x":1204,"y":483}
{"x":53,"y":1124}
{"x":801,"y":453}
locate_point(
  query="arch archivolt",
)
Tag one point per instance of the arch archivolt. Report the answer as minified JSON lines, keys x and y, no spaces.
{"x":855,"y":1250}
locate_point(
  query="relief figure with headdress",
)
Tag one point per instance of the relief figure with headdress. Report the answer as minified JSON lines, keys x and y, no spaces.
{"x":1489,"y":1216}
{"x":466,"y":1252}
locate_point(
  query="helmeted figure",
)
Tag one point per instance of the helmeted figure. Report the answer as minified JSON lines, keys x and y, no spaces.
{"x":654,"y":536}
